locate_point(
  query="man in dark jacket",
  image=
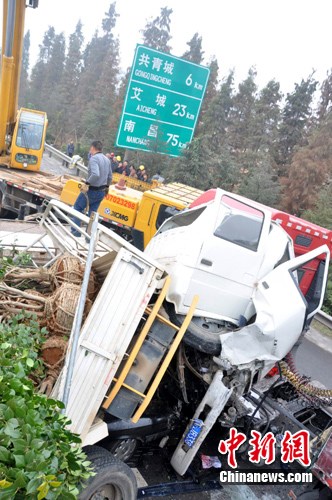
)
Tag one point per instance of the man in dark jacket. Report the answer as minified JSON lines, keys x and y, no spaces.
{"x":70,"y":149}
{"x":96,"y":185}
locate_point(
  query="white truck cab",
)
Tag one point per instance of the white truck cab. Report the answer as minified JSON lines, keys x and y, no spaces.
{"x":219,"y":251}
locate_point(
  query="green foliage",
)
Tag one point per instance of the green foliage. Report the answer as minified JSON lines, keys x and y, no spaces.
{"x":39,"y":457}
{"x":261,"y":183}
{"x":321,"y":214}
{"x":195,"y":53}
{"x":21,"y":259}
{"x":156,"y":33}
{"x":23,"y":91}
{"x":295,"y":121}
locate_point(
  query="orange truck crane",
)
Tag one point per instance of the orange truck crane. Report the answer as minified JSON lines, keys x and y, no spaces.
{"x":22,"y":132}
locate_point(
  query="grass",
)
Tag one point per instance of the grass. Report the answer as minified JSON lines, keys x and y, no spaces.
{"x":324,"y":330}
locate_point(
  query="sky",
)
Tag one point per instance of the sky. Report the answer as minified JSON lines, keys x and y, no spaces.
{"x":283,"y":39}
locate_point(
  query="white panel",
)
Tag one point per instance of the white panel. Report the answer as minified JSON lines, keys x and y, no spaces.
{"x":110,"y":326}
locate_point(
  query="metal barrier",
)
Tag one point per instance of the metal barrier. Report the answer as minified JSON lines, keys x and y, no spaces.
{"x":80,"y":167}
{"x":324,"y":319}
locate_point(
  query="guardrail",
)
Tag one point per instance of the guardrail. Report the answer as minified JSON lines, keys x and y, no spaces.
{"x":324,"y":319}
{"x":81,"y":169}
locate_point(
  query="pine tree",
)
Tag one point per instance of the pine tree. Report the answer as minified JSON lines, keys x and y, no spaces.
{"x":38,"y":89}
{"x":210,"y":93}
{"x":156,"y":33}
{"x":24,"y":78}
{"x":114,"y":118}
{"x":259,"y":182}
{"x":325,"y":103}
{"x":195,"y":53}
{"x":267,"y":118}
{"x":295,"y":122}
{"x":217,"y":117}
{"x":97,"y":89}
{"x":242,"y":116}
{"x":70,"y":80}
{"x":52,"y":86}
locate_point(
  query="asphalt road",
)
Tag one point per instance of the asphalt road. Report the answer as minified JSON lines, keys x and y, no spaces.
{"x":54,"y":166}
{"x":315,"y":362}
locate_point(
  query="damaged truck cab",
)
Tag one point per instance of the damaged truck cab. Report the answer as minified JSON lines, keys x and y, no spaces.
{"x":221,"y":251}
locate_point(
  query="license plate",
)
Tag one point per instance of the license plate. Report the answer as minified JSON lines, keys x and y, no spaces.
{"x":194,"y":432}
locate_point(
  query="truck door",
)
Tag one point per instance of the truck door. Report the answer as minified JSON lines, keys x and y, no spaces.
{"x":282,"y":313}
{"x":230,"y":259}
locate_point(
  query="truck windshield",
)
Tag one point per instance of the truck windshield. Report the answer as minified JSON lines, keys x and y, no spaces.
{"x":30,"y":130}
{"x":183,"y":219}
{"x":239,"y":223}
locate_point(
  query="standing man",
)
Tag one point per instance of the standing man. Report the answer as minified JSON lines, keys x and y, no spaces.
{"x":70,"y":149}
{"x":96,"y":185}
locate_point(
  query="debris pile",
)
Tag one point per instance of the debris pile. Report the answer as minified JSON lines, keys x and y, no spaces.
{"x":52,"y":295}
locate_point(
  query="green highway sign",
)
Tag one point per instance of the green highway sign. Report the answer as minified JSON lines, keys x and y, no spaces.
{"x":162,"y":104}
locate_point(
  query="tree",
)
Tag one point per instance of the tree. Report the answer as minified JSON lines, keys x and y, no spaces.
{"x":156,"y":33}
{"x":24,"y":78}
{"x":325,"y":103}
{"x":195,"y":53}
{"x":70,"y":79}
{"x":242,"y":115}
{"x":217,"y":116}
{"x":52,"y":85}
{"x":309,"y":170}
{"x":194,"y":167}
{"x":210,"y":93}
{"x":321,"y":213}
{"x":295,"y":122}
{"x":267,"y":118}
{"x":260,"y":183}
{"x":38,"y":89}
{"x":98,"y":83}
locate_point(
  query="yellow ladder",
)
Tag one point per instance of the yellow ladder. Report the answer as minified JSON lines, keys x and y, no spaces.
{"x":153,"y":314}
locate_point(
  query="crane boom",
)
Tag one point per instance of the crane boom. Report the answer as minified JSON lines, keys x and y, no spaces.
{"x":22,"y":134}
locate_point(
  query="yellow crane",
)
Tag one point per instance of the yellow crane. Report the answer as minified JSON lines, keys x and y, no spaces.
{"x":22,"y":132}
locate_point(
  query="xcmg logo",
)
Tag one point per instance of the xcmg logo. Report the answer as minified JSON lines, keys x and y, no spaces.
{"x":116,"y":215}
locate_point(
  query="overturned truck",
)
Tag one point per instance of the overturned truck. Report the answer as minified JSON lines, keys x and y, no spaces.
{"x":184,"y":332}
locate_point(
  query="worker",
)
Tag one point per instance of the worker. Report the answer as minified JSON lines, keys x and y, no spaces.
{"x":140,"y":172}
{"x":132,"y":172}
{"x":94,"y":188}
{"x":70,"y":149}
{"x":114,"y":161}
{"x":125,"y":168}
{"x":158,"y":177}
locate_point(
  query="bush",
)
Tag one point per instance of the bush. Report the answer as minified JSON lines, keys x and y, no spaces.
{"x":39,"y":457}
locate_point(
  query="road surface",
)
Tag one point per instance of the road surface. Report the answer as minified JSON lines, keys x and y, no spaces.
{"x":315,"y":362}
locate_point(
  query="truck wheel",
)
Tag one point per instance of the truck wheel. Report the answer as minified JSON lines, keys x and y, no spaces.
{"x":201,"y":334}
{"x":114,"y":480}
{"x":123,"y":449}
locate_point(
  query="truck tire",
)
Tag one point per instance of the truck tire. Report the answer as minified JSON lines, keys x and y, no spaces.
{"x":201,"y":335}
{"x":123,"y":449}
{"x":114,"y":480}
